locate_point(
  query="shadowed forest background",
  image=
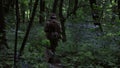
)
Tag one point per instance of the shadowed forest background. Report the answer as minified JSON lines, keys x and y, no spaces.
{"x":90,"y":30}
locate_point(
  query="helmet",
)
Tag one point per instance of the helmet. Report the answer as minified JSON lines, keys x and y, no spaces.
{"x":53,"y":16}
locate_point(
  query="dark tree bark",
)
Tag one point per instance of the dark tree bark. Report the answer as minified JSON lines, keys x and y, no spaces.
{"x":69,"y":6}
{"x":63,"y":17}
{"x":54,"y":9}
{"x":12,"y":3}
{"x":95,"y":14}
{"x":7,"y":5}
{"x":28,"y":28}
{"x":114,"y":12}
{"x":22,"y":7}
{"x":3,"y":40}
{"x":16,"y":32}
{"x":75,"y":7}
{"x":23,"y":16}
{"x":62,"y":20}
{"x":42,"y":10}
{"x":30,"y":5}
{"x":119,"y":8}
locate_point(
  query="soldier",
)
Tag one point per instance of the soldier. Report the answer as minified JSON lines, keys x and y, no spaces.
{"x":53,"y":32}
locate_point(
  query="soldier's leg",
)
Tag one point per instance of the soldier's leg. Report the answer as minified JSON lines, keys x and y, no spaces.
{"x":54,"y":45}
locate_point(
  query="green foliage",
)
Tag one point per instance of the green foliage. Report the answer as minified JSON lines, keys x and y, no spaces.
{"x":86,"y":46}
{"x":45,"y":42}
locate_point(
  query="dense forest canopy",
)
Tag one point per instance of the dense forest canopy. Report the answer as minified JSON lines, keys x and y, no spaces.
{"x":89,"y":28}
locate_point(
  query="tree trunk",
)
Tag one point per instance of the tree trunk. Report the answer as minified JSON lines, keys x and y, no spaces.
{"x":28,"y":28}
{"x":63,"y":30}
{"x":94,"y":11}
{"x":16,"y":33}
{"x":54,"y":9}
{"x":69,"y":6}
{"x":114,"y":12}
{"x":75,"y":7}
{"x":119,"y":8}
{"x":3,"y":40}
{"x":42,"y":10}
{"x":30,"y":5}
{"x":12,"y":3}
{"x":62,"y":20}
{"x":22,"y":12}
{"x":95,"y":14}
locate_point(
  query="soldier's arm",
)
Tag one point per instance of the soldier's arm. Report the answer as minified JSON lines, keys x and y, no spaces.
{"x":46,"y":28}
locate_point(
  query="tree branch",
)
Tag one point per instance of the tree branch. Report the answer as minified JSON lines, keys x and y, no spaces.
{"x":28,"y":28}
